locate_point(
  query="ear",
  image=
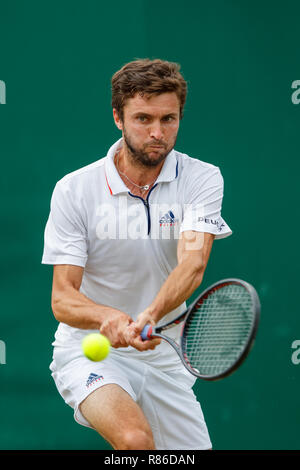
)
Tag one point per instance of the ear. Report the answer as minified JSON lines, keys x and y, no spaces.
{"x":117,"y":119}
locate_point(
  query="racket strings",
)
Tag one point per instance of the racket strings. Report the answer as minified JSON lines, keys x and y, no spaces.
{"x":218,"y":329}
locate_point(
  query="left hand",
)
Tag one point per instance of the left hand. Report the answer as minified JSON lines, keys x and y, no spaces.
{"x":135,"y":328}
{"x":144,"y":318}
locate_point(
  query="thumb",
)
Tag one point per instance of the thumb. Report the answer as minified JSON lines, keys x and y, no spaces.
{"x":142,"y":320}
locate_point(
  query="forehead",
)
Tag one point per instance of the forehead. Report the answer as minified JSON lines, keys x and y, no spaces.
{"x":165,"y":103}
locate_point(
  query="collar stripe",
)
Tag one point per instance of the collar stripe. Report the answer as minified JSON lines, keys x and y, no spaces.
{"x":108,"y":185}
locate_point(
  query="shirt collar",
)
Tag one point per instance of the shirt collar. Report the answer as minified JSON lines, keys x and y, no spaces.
{"x":116,"y":185}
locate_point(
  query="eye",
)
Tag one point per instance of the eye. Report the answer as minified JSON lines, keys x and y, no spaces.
{"x":142,"y":118}
{"x":168,"y":118}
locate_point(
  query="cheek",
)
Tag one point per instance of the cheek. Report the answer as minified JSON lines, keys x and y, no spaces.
{"x":172,"y":131}
{"x":137,"y":130}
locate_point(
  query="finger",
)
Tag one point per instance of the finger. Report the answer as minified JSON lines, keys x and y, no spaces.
{"x":142,"y":320}
{"x":141,"y":345}
{"x":137,"y":327}
{"x":129,"y":334}
{"x":152,"y":343}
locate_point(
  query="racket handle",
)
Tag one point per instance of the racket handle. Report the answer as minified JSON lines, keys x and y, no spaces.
{"x":146,"y":332}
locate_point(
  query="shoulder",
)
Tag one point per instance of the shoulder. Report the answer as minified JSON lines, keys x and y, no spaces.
{"x":81,"y":180}
{"x":193,"y":169}
{"x":88,"y":172}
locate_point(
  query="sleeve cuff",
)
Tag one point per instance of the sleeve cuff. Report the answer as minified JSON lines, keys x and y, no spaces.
{"x":220,"y":230}
{"x":73,"y":260}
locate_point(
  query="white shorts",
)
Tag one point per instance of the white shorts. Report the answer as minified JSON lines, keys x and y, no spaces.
{"x":166,"y":398}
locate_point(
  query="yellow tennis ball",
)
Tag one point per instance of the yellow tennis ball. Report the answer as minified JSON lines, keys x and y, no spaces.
{"x":95,"y":346}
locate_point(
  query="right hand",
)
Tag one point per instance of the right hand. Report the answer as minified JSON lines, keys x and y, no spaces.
{"x":116,"y":327}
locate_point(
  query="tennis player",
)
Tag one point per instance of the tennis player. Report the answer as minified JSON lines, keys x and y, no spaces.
{"x":129,"y":237}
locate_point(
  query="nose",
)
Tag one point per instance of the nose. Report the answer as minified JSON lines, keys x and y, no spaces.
{"x":156,"y":131}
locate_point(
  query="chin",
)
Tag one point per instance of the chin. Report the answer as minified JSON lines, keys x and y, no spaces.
{"x":152,"y":162}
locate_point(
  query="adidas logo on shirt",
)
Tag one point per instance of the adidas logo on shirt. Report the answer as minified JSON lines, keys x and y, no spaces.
{"x":168,"y":219}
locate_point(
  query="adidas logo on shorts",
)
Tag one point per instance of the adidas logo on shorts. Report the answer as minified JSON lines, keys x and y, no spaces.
{"x":93,"y":378}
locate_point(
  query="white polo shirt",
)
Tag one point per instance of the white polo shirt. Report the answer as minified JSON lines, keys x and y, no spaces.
{"x":128,"y":246}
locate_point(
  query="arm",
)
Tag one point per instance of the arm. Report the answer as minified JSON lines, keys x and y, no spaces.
{"x":66,"y":241}
{"x":193,"y":253}
{"x":72,"y":307}
{"x":201,"y":224}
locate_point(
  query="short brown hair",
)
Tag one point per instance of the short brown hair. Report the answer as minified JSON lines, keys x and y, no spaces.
{"x":147,"y":77}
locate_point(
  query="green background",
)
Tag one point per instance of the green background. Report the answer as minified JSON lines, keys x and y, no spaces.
{"x":240,"y":59}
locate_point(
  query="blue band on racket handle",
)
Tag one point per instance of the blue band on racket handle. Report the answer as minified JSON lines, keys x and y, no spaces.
{"x":146,"y":332}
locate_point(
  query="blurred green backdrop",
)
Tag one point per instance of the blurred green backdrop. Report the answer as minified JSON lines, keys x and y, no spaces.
{"x":240,"y":59}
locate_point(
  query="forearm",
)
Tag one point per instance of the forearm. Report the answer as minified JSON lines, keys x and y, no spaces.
{"x":193,"y":253}
{"x":72,"y":307}
{"x":75,"y":309}
{"x":177,"y":288}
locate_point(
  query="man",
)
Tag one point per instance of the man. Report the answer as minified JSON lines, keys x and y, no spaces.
{"x":130,"y":237}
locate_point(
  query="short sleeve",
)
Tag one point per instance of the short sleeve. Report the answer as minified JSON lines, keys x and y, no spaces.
{"x":203,"y":204}
{"x":65,"y":238}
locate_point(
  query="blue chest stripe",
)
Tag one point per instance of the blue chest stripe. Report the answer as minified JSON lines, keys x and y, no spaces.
{"x":146,"y":204}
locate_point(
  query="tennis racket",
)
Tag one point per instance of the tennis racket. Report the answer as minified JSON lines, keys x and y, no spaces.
{"x":218,"y":331}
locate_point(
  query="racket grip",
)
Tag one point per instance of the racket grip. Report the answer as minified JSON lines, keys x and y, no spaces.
{"x":146,"y":332}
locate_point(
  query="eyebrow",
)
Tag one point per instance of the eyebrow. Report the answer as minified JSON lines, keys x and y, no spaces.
{"x":141,"y":113}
